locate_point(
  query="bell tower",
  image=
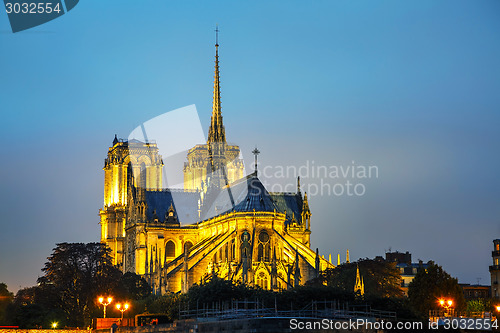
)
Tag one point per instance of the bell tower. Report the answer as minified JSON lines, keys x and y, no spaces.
{"x":125,"y":157}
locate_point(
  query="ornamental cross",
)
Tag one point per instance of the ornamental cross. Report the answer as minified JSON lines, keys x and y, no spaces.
{"x":256,"y":152}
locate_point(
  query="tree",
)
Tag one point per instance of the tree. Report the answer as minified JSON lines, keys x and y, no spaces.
{"x":77,"y":274}
{"x":217,"y":290}
{"x":477,"y":306}
{"x":381,"y":278}
{"x":167,"y":304}
{"x":432,"y":284}
{"x":5,"y":299}
{"x":34,"y":307}
{"x":133,"y":287}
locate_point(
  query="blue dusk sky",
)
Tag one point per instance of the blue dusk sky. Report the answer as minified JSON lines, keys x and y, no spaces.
{"x":410,"y":87}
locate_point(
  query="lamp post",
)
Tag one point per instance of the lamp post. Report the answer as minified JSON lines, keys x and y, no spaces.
{"x":123,"y":308}
{"x":446,"y":304}
{"x":497,"y":308}
{"x":105,"y":303}
{"x":54,"y":325}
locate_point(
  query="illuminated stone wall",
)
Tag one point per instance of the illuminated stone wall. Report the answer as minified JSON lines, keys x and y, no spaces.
{"x":125,"y":157}
{"x":195,"y":169}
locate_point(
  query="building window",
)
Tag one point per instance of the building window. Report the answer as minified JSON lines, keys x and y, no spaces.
{"x":245,"y":244}
{"x":188,"y":245}
{"x":233,"y":249}
{"x":280,"y":281}
{"x":260,"y":252}
{"x":170,"y":249}
{"x":264,"y":248}
{"x":142,"y":176}
{"x":262,"y":280}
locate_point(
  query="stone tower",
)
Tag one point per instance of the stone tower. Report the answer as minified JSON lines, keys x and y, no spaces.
{"x":125,"y":159}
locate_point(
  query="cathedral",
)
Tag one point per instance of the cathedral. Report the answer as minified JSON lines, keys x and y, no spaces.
{"x":222,"y":223}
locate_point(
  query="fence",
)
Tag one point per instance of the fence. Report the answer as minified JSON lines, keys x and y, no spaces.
{"x":315,"y":309}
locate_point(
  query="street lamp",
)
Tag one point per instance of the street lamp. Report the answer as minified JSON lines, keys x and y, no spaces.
{"x":54,"y":325}
{"x":446,"y":304}
{"x":105,"y":303}
{"x":122,"y":308}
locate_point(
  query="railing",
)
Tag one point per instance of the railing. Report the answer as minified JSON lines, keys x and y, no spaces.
{"x":316,"y":309}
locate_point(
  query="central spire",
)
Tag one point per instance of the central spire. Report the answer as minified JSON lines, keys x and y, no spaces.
{"x":216,"y":132}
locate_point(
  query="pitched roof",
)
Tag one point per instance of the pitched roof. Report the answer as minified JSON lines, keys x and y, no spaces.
{"x":291,"y":203}
{"x":247,"y":194}
{"x":185,"y":204}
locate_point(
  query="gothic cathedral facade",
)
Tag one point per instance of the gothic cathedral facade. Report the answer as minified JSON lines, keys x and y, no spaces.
{"x":222,"y":223}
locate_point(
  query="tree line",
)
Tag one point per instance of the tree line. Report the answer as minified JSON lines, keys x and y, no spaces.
{"x":77,"y":274}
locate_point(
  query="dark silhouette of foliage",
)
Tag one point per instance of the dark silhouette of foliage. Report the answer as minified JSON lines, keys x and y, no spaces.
{"x":218,"y":289}
{"x":5,"y":299}
{"x":132,"y":287}
{"x":35,"y":307}
{"x":432,"y":284}
{"x":78,"y":274}
{"x":477,"y":306}
{"x":168,"y":304}
{"x":381,"y":278}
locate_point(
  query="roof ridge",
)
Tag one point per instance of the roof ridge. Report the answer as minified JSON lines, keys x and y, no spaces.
{"x":172,"y":190}
{"x":240,"y":180}
{"x":283,"y":193}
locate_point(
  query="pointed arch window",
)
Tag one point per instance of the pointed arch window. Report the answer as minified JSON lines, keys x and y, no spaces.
{"x":264,"y":247}
{"x":233,"y":249}
{"x":188,"y":245}
{"x":142,"y":176}
{"x":280,"y":281}
{"x":260,"y":252}
{"x":170,"y":249}
{"x":262,"y":280}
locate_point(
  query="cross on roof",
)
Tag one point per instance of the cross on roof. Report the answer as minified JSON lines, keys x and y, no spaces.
{"x":256,"y":152}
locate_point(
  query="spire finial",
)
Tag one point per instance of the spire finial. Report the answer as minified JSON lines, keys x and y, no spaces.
{"x":216,"y":132}
{"x":256,"y":152}
{"x":216,"y":35}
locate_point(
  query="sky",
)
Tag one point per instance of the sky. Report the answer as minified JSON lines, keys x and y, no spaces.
{"x":410,"y":88}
